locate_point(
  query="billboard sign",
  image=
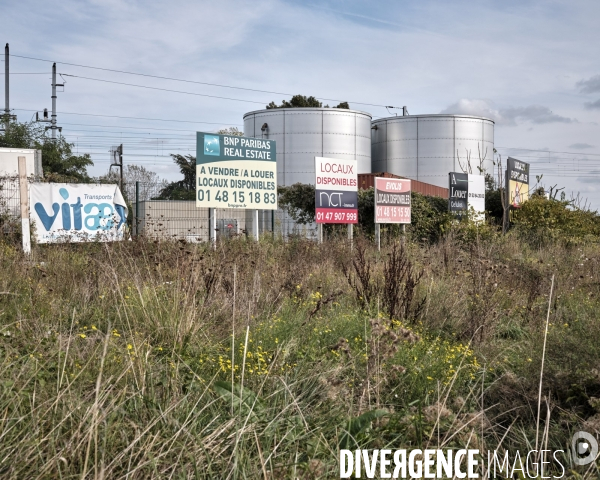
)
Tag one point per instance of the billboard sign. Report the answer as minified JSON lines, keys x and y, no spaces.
{"x":517,"y":179}
{"x":466,"y":191}
{"x":392,"y":200}
{"x":235,"y":172}
{"x":65,"y":212}
{"x":336,"y":190}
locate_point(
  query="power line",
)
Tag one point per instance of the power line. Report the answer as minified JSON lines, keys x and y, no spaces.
{"x":147,"y":134}
{"x":549,"y":151}
{"x":163,"y":89}
{"x":131,"y":118}
{"x":121,"y":126}
{"x":191,"y":81}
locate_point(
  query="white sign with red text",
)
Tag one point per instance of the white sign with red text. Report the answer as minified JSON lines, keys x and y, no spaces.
{"x":336,"y":190}
{"x":392,"y":200}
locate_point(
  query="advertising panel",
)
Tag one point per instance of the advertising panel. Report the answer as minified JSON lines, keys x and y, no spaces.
{"x":517,"y":179}
{"x":336,"y":191}
{"x":392,"y":200}
{"x":235,"y":172}
{"x":64,"y":212}
{"x":466,"y":192}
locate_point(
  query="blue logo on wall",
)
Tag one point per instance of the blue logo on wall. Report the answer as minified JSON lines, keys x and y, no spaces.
{"x":212,"y":145}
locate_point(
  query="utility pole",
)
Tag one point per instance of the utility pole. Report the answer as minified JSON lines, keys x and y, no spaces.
{"x":7,"y":117}
{"x":52,"y":119}
{"x":117,"y":161}
{"x":54,"y":85}
{"x":6,"y":81}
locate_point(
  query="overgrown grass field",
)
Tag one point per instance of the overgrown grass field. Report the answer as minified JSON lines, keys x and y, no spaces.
{"x":149,"y":359}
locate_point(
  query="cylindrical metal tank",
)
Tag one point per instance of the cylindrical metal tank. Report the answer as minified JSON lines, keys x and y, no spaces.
{"x":428,"y":147}
{"x":301,"y":134}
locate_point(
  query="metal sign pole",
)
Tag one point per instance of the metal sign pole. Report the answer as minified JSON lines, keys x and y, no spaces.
{"x":23,"y":191}
{"x":378,"y":236}
{"x":273,"y":223}
{"x":137,"y":207}
{"x":255,"y":224}
{"x":212,"y":226}
{"x":350,"y":234}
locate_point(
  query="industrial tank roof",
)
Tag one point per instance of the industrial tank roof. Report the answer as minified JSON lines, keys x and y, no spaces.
{"x":438,"y":115}
{"x":307,"y":109}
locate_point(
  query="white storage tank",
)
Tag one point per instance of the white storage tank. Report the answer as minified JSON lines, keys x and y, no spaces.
{"x":428,"y":147}
{"x":301,"y":134}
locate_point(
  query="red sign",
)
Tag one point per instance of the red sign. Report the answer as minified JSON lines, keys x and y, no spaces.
{"x":334,"y":215}
{"x":392,"y":200}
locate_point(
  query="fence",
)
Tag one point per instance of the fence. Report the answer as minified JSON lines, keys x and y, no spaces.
{"x":10,"y":206}
{"x":9,"y":197}
{"x":160,"y":213}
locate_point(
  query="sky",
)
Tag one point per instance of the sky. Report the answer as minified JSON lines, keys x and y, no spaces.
{"x":531,"y":66}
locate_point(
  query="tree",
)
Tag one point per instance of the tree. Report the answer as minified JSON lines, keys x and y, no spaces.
{"x":21,"y":135}
{"x":150,"y":183}
{"x":183,"y":189}
{"x":493,"y":199}
{"x":298,"y":200}
{"x":58,"y":161}
{"x":302,"y":101}
{"x":231,"y":131}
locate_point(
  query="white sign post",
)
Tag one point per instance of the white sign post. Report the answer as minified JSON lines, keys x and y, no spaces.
{"x":255,"y":224}
{"x":24,"y":201}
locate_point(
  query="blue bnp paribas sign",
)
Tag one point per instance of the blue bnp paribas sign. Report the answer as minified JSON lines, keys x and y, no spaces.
{"x":235,"y":172}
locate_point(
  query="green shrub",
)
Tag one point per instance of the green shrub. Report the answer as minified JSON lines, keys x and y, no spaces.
{"x":540,"y":220}
{"x":430,"y":217}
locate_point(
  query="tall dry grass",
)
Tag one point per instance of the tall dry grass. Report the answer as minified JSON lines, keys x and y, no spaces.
{"x":152,"y":359}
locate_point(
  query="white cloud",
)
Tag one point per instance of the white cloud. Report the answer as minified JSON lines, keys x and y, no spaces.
{"x":481,"y":108}
{"x":506,"y":116}
{"x":532,"y":113}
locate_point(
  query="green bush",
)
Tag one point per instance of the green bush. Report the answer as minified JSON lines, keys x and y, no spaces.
{"x":430,"y":217}
{"x":540,"y":220}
